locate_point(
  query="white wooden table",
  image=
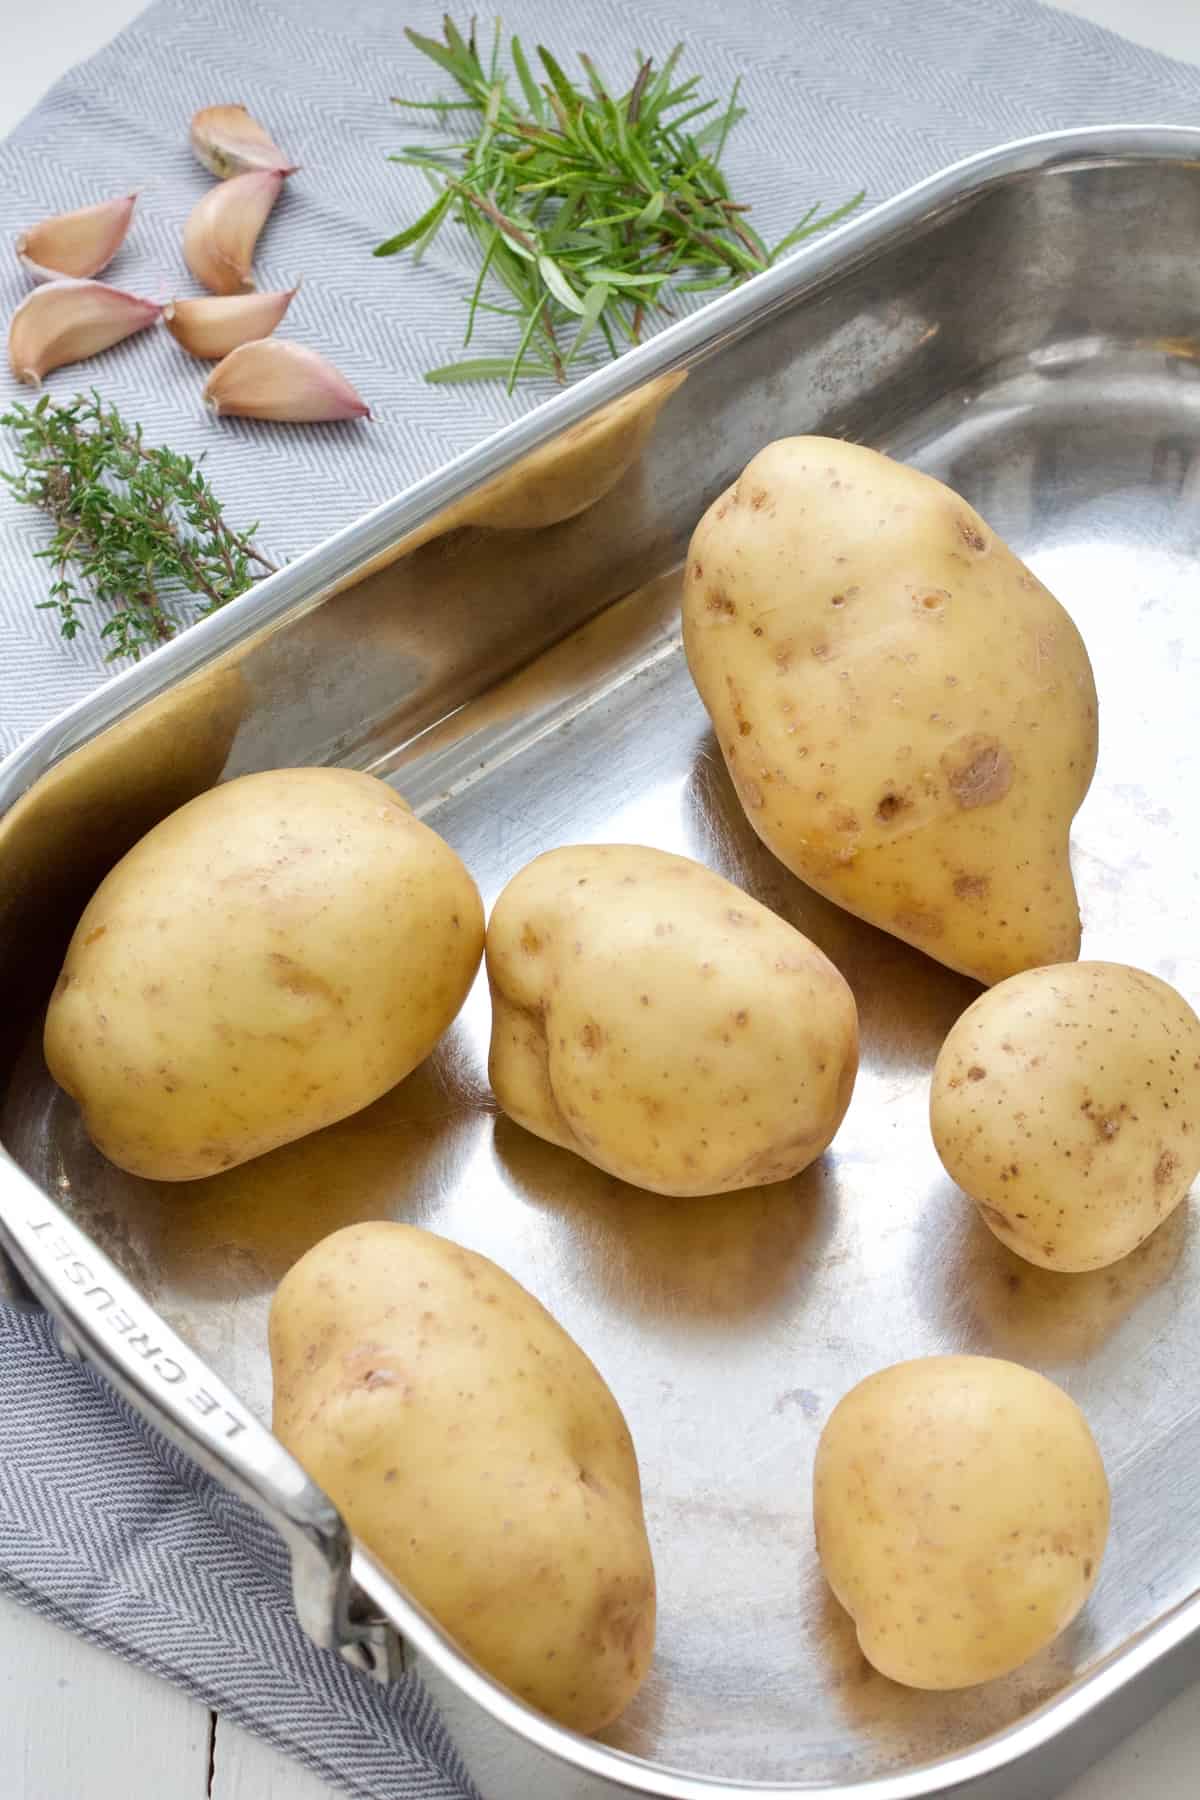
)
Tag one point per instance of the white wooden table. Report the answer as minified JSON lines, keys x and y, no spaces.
{"x":76,"y":1722}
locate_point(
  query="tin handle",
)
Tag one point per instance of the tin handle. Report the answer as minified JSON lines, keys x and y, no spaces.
{"x":102,"y":1318}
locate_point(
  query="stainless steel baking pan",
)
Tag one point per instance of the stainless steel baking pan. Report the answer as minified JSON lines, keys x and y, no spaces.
{"x":1026,"y":326}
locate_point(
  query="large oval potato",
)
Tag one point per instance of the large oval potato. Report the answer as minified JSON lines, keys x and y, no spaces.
{"x":908,"y":715}
{"x":1066,"y":1103}
{"x":270,"y":958}
{"x":961,"y":1510}
{"x":651,"y":1016}
{"x":471,"y":1445}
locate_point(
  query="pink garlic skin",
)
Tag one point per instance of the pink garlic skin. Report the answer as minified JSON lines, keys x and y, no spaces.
{"x":76,"y":244}
{"x":212,"y":327}
{"x":223,"y":229}
{"x":228,"y":141}
{"x":276,"y":380}
{"x":67,"y":321}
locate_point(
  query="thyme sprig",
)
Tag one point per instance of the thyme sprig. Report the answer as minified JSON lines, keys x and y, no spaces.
{"x":137,"y":529}
{"x":585,"y":203}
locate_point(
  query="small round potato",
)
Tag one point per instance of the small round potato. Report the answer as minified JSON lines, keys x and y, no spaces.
{"x":1066,"y":1103}
{"x":961,"y":1511}
{"x":651,"y":1016}
{"x":270,"y":958}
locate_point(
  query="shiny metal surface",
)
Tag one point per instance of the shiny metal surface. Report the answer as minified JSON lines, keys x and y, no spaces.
{"x":102,"y":1317}
{"x":1028,"y":329}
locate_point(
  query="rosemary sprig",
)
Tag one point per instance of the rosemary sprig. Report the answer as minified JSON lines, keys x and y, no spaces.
{"x":586,"y":204}
{"x":137,"y":529}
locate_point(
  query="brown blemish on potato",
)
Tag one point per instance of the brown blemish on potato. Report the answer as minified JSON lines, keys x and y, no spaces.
{"x":296,"y":979}
{"x":1165,"y":1168}
{"x":978,"y":771}
{"x":971,"y":887}
{"x":934,"y":601}
{"x":971,"y":536}
{"x":920,"y":923}
{"x":1106,"y":1125}
{"x":718,"y":601}
{"x":591,"y":1037}
{"x":890,"y":805}
{"x":377,"y":1378}
{"x":697,"y":571}
{"x":976,"y":1073}
{"x":531,"y":943}
{"x":744,"y":728}
{"x":759,"y":498}
{"x":95,"y":936}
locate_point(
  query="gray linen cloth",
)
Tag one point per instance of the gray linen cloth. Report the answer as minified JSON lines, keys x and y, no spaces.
{"x":102,"y":1527}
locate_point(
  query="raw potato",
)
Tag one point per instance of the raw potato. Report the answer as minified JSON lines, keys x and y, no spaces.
{"x":271,"y":957}
{"x":908,"y":715}
{"x":961,"y":1511}
{"x":576,"y":469}
{"x":651,"y":1016}
{"x":1066,"y":1103}
{"x":471,"y":1445}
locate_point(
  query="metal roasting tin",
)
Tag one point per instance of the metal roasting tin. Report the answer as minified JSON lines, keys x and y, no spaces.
{"x":1026,"y":326}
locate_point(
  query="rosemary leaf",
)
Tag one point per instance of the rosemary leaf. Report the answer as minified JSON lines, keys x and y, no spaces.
{"x":585,"y":203}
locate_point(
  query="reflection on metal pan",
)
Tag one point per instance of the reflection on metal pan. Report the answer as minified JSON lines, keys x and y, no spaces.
{"x":1025,"y":327}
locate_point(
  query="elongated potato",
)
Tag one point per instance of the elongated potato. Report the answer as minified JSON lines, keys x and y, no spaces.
{"x":1066,"y":1103}
{"x":652,"y":1017}
{"x":961,"y":1510}
{"x":471,"y":1445}
{"x":270,"y":958}
{"x":908,"y":715}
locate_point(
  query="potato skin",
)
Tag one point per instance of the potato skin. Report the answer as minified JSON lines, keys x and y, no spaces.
{"x":470,"y":1443}
{"x":652,"y":1017}
{"x":577,"y":468}
{"x":907,"y":714}
{"x":1066,"y":1103}
{"x":270,"y":958}
{"x":961,"y":1511}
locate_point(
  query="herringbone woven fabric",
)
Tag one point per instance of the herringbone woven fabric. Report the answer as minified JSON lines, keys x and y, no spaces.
{"x":101,"y":1527}
{"x":842,"y":94}
{"x":107,"y":1529}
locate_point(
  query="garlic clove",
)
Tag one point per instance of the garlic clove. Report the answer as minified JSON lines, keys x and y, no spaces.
{"x":274,"y":380}
{"x":66,"y":321}
{"x":229,"y":142}
{"x":212,"y":328}
{"x":76,"y":244}
{"x":220,"y":235}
